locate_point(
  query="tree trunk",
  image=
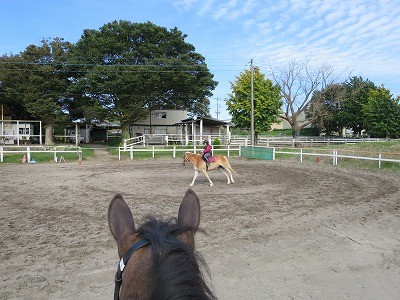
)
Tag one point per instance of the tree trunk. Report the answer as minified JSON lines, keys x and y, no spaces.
{"x":125,"y":132}
{"x":295,"y":130}
{"x":48,"y":138}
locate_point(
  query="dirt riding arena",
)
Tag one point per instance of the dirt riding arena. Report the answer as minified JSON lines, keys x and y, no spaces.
{"x":283,"y":230}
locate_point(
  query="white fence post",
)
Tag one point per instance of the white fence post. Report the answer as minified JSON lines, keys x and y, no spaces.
{"x":301,"y":154}
{"x":273,"y":153}
{"x":228,"y":151}
{"x":174,"y":153}
{"x":55,"y":154}
{"x":1,"y":154}
{"x":334,"y":158}
{"x":28,"y":154}
{"x":153,"y":152}
{"x":380,"y":162}
{"x":131,"y":152}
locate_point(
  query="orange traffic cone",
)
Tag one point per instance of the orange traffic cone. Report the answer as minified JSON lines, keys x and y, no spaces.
{"x":24,"y":158}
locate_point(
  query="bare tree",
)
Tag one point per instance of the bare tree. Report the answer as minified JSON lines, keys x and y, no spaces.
{"x":298,"y":81}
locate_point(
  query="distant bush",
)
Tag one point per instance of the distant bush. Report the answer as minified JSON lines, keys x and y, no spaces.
{"x":216,"y":142}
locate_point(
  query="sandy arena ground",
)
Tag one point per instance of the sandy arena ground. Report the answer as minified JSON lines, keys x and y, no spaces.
{"x":283,"y":230}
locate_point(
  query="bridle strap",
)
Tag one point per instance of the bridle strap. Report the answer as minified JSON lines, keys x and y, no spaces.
{"x":122,"y":263}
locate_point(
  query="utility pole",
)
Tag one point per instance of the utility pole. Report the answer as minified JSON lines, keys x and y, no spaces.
{"x":252,"y":102}
{"x":217,"y":111}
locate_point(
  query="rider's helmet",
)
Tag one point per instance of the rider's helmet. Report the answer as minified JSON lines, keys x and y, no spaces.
{"x":205,"y":142}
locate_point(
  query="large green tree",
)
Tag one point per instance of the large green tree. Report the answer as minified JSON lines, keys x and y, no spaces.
{"x":381,"y":114}
{"x":356,"y":92}
{"x":267,"y":101}
{"x":324,"y":107}
{"x":38,"y":81}
{"x":128,"y":69}
{"x":10,"y":69}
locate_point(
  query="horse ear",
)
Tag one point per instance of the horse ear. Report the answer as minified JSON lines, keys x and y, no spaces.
{"x":120,"y":218}
{"x":189,"y":216}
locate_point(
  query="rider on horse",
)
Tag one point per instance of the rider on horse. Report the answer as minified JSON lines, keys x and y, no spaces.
{"x":206,"y":153}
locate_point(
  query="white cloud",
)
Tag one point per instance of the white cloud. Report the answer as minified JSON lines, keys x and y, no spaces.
{"x":360,"y":34}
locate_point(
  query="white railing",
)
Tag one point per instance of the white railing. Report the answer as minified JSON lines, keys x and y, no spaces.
{"x":137,"y":140}
{"x":27,"y":151}
{"x":335,"y":156}
{"x":170,"y":139}
{"x":175,"y":150}
{"x":312,"y":141}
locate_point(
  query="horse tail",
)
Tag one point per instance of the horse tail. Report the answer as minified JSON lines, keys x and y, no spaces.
{"x":228,"y":165}
{"x":231,"y":169}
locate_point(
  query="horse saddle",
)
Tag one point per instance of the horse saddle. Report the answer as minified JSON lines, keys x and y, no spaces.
{"x":211,"y":159}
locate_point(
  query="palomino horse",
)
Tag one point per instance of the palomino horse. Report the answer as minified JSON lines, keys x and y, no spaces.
{"x":221,"y":163}
{"x":158,"y":260}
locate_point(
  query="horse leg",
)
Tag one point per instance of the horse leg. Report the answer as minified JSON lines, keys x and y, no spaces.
{"x":196,"y":173}
{"x":222,"y":169}
{"x":208,"y":177}
{"x":230,"y":173}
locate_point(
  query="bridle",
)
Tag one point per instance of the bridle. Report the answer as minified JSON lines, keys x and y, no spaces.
{"x":122,"y":263}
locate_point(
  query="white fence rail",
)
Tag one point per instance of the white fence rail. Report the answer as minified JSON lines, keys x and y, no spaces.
{"x":335,"y":156}
{"x":170,"y":139}
{"x":29,"y":150}
{"x":279,"y":141}
{"x":175,"y":150}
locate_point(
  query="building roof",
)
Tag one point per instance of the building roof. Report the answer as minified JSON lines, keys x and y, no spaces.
{"x":206,"y":121}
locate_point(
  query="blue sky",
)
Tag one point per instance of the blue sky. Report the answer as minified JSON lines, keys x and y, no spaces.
{"x":355,"y":37}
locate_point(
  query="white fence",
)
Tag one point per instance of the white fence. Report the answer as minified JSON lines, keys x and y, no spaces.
{"x":173,"y":139}
{"x":312,"y":141}
{"x":335,"y":156}
{"x":279,"y":141}
{"x":175,"y":150}
{"x":29,"y":150}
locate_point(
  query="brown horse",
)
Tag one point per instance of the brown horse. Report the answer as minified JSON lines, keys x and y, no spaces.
{"x":158,"y":260}
{"x":221,"y":163}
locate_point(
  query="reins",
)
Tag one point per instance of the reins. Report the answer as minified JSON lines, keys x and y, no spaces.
{"x":122,"y":263}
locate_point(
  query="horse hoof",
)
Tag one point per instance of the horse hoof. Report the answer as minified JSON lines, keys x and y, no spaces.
{"x":191,"y":185}
{"x":211,"y":184}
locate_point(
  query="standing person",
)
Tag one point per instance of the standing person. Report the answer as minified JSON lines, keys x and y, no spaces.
{"x":206,"y":153}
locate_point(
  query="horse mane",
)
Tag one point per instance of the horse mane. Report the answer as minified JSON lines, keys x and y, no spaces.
{"x":176,"y":266}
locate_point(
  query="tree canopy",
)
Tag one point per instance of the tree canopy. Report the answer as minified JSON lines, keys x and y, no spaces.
{"x":36,"y":81}
{"x":117,"y":73}
{"x":356,"y":91}
{"x":131,"y":68}
{"x":267,"y":101}
{"x":381,"y":114}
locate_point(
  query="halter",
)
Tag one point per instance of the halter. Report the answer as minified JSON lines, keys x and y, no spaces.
{"x":122,"y":264}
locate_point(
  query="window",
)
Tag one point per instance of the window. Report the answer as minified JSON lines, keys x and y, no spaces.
{"x":161,"y":115}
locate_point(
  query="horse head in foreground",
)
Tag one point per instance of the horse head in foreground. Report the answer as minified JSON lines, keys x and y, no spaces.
{"x":158,"y":260}
{"x":219,"y":162}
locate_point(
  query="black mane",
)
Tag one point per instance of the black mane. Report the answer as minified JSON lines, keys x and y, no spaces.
{"x":176,"y":266}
